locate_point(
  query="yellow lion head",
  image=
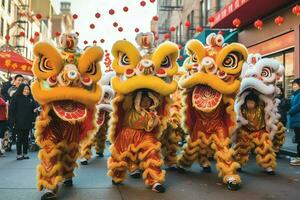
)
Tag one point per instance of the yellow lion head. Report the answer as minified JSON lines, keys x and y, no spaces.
{"x":212,"y":70}
{"x":67,"y":79}
{"x":144,"y":68}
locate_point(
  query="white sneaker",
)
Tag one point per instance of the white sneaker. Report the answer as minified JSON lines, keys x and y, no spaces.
{"x":295,"y":161}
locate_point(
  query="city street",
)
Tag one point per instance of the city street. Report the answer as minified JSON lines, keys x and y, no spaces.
{"x":18,"y":180}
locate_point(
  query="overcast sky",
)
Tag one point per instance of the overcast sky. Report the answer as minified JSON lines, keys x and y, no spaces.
{"x":136,"y":17}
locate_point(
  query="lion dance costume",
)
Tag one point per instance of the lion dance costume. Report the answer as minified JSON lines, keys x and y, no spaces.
{"x":210,"y":87}
{"x":259,"y":127}
{"x":104,"y":109}
{"x":143,"y":84}
{"x":67,"y":90}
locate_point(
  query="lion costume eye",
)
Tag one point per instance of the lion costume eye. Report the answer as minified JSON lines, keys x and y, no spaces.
{"x":44,"y":65}
{"x":92,"y":69}
{"x":194,"y":58}
{"x":124,"y":60}
{"x":231,"y":61}
{"x":266,"y":72}
{"x":166,"y":62}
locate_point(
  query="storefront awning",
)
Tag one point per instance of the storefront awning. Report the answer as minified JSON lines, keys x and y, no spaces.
{"x":13,"y":62}
{"x":247,"y":11}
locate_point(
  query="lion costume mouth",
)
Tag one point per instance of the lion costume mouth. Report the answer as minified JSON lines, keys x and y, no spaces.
{"x":70,"y":110}
{"x":205,"y":98}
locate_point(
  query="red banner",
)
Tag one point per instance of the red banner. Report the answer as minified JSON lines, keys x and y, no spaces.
{"x":13,"y":62}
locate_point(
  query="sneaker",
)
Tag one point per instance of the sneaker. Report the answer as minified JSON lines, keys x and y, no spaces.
{"x":270,"y":171}
{"x":19,"y":157}
{"x":232,"y":184}
{"x":135,"y":174}
{"x":25,"y":157}
{"x":206,"y":169}
{"x":84,"y":161}
{"x":157,"y":187}
{"x":68,"y":182}
{"x":100,"y":155}
{"x":295,"y":161}
{"x":49,"y":195}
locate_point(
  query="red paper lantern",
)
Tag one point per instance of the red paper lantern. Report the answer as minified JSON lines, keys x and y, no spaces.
{"x":258,"y":24}
{"x":57,"y":34}
{"x":22,"y":34}
{"x":199,"y":29}
{"x":85,"y":42}
{"x":36,"y":34}
{"x":172,"y":29}
{"x":38,"y":16}
{"x":152,"y":1}
{"x":115,"y":24}
{"x":92,"y":26}
{"x":143,"y":3}
{"x":279,"y":20}
{"x":155,"y":18}
{"x":111,"y":11}
{"x":296,"y":10}
{"x":7,"y":37}
{"x":180,"y":57}
{"x":187,"y":23}
{"x":179,"y":46}
{"x":94,"y":42}
{"x":167,"y":36}
{"x":31,"y":40}
{"x":211,"y":19}
{"x":75,"y":16}
{"x":120,"y":29}
{"x":125,"y":9}
{"x":220,"y":32}
{"x":137,"y":30}
{"x":97,"y":15}
{"x":236,"y":22}
{"x":102,"y":40}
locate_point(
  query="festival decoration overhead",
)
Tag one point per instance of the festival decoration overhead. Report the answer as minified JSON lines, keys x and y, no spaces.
{"x":258,"y":24}
{"x":97,"y":15}
{"x":187,"y":23}
{"x":296,"y":10}
{"x":279,"y":20}
{"x":125,"y":9}
{"x":75,"y":16}
{"x":236,"y":22}
{"x":155,"y":18}
{"x":199,"y":29}
{"x":172,"y":29}
{"x":143,"y":3}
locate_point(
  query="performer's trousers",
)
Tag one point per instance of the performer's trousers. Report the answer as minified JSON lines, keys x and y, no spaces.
{"x":136,"y":149}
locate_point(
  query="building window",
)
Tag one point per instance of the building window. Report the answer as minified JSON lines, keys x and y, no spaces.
{"x":3,"y":3}
{"x":177,"y":35}
{"x":204,"y":12}
{"x":2,"y":27}
{"x":192,"y":28}
{"x":286,"y":58}
{"x":188,"y":28}
{"x":9,"y":6}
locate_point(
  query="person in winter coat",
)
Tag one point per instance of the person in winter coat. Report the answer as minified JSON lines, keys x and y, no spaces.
{"x":294,"y":121}
{"x":283,"y":107}
{"x":3,"y":121}
{"x":21,"y":117}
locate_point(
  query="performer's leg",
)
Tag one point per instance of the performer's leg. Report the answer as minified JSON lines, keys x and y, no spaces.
{"x":265,"y":154}
{"x":243,"y":146}
{"x":49,"y":172}
{"x":279,"y":137}
{"x":69,"y":157}
{"x":226,"y":166}
{"x":150,"y":162}
{"x":99,"y":142}
{"x":86,"y":152}
{"x":191,"y":151}
{"x":117,"y":165}
{"x":171,"y":145}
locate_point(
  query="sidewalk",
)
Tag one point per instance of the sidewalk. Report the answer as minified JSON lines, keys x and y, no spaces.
{"x":289,"y":148}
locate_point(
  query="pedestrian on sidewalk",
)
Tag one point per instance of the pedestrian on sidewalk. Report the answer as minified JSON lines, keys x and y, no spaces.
{"x":283,"y":107}
{"x":3,"y":121}
{"x":21,"y":118}
{"x":294,"y":120}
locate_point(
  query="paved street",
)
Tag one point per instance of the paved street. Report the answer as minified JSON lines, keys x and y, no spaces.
{"x":18,"y":180}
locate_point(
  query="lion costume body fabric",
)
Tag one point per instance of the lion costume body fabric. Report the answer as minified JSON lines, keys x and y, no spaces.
{"x":259,"y":128}
{"x":143,"y":84}
{"x":104,"y":110}
{"x":210,"y":87}
{"x":67,"y":90}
